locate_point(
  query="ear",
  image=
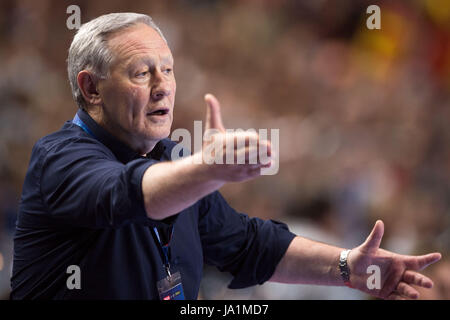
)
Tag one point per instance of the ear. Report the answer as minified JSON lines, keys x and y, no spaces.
{"x":87,"y":84}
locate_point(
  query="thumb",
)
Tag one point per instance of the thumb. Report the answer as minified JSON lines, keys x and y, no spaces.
{"x":373,"y":241}
{"x":213,"y":115}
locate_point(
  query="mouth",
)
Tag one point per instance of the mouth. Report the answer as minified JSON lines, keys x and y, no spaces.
{"x":159,"y":112}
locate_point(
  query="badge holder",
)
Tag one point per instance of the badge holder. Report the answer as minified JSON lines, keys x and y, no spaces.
{"x":170,"y":287}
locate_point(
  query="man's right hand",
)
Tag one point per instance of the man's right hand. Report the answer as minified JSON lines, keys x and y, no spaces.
{"x":229,"y":170}
{"x":171,"y":186}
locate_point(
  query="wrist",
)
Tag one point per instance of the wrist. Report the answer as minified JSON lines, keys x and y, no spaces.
{"x":344,"y":269}
{"x":203,"y":172}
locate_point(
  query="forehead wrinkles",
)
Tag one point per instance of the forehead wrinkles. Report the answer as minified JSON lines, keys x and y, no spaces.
{"x":130,"y":43}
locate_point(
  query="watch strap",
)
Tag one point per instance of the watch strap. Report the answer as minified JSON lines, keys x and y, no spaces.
{"x":344,"y":269}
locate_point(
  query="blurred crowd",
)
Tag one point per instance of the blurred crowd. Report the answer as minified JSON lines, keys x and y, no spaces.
{"x":363,"y":114}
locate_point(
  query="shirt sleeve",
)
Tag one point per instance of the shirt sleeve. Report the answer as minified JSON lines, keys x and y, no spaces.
{"x":83,"y":185}
{"x":248,"y":248}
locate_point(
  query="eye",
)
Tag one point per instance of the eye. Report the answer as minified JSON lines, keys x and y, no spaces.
{"x":167,"y":71}
{"x":142,"y":74}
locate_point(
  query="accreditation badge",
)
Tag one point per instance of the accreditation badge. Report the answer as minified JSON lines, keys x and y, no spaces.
{"x":170,"y":287}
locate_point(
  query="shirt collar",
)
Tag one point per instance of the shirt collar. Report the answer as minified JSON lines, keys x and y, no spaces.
{"x":122,"y":152}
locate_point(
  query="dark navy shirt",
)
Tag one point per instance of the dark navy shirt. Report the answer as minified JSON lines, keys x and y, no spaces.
{"x":82,"y":205}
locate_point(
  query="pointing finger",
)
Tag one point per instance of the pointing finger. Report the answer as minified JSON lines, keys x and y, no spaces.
{"x":421,"y":262}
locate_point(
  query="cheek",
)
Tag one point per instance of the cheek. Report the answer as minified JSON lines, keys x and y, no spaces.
{"x":129,"y":104}
{"x":137,"y":101}
{"x":138,"y":98}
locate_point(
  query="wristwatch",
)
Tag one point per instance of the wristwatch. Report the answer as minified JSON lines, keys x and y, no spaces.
{"x":343,"y":267}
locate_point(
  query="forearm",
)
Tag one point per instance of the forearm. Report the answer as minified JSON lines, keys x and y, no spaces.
{"x":169,"y":187}
{"x":309,"y":262}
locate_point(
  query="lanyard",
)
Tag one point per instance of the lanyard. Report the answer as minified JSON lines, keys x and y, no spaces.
{"x":76,"y":120}
{"x":165,"y":249}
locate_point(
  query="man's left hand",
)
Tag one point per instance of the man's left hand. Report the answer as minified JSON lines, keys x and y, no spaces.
{"x":398,"y":273}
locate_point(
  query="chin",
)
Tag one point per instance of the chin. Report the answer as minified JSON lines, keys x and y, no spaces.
{"x":157,"y":135}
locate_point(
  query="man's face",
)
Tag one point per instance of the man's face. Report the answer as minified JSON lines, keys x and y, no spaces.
{"x":138,"y":97}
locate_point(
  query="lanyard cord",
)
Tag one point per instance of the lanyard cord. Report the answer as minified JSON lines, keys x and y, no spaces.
{"x":76,"y":120}
{"x":165,"y":249}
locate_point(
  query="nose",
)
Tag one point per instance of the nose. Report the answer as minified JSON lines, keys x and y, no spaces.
{"x":160,"y":90}
{"x":159,"y":93}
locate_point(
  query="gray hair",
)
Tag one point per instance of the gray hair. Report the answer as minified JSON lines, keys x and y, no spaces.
{"x":89,"y":49}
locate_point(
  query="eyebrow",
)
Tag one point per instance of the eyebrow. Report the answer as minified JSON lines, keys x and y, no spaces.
{"x":150,"y":61}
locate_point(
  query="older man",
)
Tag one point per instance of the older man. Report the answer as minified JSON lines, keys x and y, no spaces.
{"x":103,"y":198}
